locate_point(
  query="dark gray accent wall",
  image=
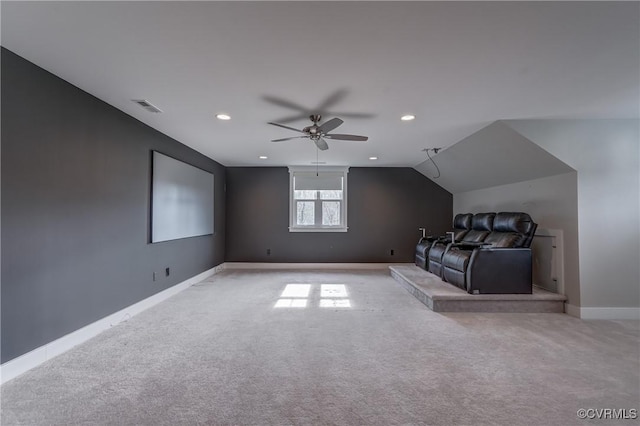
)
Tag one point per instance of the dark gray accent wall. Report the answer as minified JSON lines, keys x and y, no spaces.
{"x":75,"y":210}
{"x":386,"y":206}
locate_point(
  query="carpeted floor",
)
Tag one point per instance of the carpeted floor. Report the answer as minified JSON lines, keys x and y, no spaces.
{"x":222,"y":353}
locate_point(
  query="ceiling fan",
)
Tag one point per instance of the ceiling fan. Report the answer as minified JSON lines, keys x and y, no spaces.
{"x":318,"y":133}
{"x":322,"y":109}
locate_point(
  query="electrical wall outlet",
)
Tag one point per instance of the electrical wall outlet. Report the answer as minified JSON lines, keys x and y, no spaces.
{"x":268,"y":252}
{"x":392,"y":252}
{"x":167,"y":272}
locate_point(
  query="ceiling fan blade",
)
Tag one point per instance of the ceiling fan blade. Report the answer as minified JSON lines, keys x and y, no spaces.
{"x":321,"y":144}
{"x":285,"y":127}
{"x":340,"y":137}
{"x":330,"y":125}
{"x":288,"y":139}
{"x":292,"y":118}
{"x":354,"y":114}
{"x":333,"y":99}
{"x":284,"y":103}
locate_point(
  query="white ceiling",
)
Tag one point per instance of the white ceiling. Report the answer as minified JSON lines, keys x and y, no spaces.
{"x":457,"y":66}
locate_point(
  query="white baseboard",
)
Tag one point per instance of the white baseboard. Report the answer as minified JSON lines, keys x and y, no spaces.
{"x":267,"y":265}
{"x":588,"y":313}
{"x":25,"y":362}
{"x":610,"y":313}
{"x":572,"y":310}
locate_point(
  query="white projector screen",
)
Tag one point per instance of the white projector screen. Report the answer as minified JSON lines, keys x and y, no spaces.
{"x":181,"y":200}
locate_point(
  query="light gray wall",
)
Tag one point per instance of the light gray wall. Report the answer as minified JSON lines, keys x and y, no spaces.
{"x":494,"y":155}
{"x":606,"y":155}
{"x":75,"y":210}
{"x":551,"y":201}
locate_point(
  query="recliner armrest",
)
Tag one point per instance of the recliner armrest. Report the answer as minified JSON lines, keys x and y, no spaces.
{"x":431,"y":239}
{"x":498,"y":270}
{"x":469,"y":245}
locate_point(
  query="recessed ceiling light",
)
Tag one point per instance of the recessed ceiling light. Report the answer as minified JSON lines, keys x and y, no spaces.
{"x":373,"y":158}
{"x":223,"y":116}
{"x":408,"y":117}
{"x":263,"y":157}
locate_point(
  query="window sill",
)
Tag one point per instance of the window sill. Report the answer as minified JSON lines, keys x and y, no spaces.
{"x":292,"y":229}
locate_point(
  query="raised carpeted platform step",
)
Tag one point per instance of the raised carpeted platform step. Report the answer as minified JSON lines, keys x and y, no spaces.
{"x":443,"y":297}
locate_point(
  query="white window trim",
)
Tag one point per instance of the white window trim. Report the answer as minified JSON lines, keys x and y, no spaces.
{"x":292,"y":205}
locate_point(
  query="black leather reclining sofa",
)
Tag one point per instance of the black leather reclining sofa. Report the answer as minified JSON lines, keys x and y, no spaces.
{"x":461,"y":225}
{"x":493,"y":257}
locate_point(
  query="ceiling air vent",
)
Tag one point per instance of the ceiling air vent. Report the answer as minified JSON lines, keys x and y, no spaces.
{"x":147,"y":105}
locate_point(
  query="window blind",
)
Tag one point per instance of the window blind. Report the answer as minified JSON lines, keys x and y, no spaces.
{"x":308,"y":181}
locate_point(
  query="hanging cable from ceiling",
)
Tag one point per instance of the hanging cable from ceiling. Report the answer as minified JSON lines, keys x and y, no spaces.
{"x":435,"y":151}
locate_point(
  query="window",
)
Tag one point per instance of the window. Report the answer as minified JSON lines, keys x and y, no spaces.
{"x":318,"y":199}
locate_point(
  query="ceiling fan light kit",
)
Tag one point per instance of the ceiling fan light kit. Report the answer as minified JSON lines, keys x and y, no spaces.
{"x":318,"y":133}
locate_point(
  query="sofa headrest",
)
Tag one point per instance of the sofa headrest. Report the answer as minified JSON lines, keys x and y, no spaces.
{"x":482,"y":221}
{"x":513,"y":222}
{"x":462,"y":221}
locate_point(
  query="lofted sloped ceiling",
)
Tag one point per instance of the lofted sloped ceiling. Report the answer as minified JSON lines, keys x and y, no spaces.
{"x":458,"y":66}
{"x":495,"y":155}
